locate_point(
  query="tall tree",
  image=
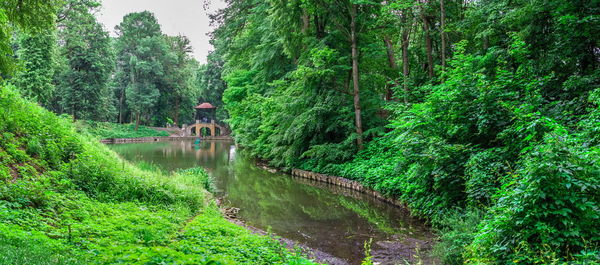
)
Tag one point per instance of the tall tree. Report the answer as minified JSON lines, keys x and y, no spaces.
{"x":141,"y":50}
{"x":30,"y":16}
{"x":36,"y":51}
{"x":443,"y":32}
{"x":428,"y":42}
{"x":179,"y":91}
{"x":210,"y":84}
{"x":355,"y":76}
{"x":83,"y":82}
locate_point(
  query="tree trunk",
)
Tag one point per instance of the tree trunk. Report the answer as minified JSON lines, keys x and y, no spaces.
{"x":305,"y":21}
{"x":428,"y":46}
{"x":393,"y":65}
{"x":405,"y":61}
{"x":131,"y":80}
{"x":355,"y":77}
{"x":176,"y":114}
{"x":137,"y":121}
{"x":121,"y":99}
{"x":390,"y":52}
{"x":443,"y":32}
{"x":319,"y":27}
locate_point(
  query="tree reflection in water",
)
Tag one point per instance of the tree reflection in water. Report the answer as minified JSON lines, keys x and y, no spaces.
{"x":332,"y":219}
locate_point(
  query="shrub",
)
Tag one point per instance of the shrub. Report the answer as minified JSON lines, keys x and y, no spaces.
{"x":484,"y":173}
{"x":548,"y":211}
{"x":73,"y":200}
{"x":457,"y":231}
{"x":114,"y":130}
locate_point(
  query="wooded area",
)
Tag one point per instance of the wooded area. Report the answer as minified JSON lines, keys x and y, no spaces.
{"x":76,"y":68}
{"x":482,"y":116}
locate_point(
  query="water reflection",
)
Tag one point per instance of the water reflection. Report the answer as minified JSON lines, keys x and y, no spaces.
{"x":332,"y":219}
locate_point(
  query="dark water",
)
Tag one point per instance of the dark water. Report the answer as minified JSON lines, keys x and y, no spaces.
{"x":331,"y":219}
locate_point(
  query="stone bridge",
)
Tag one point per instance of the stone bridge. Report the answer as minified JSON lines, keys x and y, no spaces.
{"x":212,"y":128}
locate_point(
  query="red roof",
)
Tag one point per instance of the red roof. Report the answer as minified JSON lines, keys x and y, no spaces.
{"x":205,"y":106}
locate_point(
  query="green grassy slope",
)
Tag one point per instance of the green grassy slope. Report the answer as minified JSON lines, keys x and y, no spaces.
{"x":106,"y":130}
{"x":65,"y":199}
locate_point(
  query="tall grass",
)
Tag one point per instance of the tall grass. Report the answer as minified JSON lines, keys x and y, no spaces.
{"x":67,"y":199}
{"x":114,"y":130}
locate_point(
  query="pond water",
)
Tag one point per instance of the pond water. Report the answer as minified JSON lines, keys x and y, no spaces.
{"x":330,"y":219}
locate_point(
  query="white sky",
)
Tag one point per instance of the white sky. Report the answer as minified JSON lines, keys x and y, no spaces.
{"x":185,"y":17}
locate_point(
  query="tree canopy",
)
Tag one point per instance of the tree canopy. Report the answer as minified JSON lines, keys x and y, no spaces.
{"x":477,"y":114}
{"x":482,"y":116}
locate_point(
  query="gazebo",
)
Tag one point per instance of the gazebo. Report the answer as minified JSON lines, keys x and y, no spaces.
{"x":205,"y":119}
{"x":205,"y":113}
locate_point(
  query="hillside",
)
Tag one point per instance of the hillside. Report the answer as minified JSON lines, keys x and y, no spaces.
{"x":65,"y":199}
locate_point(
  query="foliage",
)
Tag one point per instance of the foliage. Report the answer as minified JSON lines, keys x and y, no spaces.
{"x":457,"y":231}
{"x":495,"y":135}
{"x":155,"y":77}
{"x":37,"y":54}
{"x":67,"y":199}
{"x":83,"y":80}
{"x":107,"y":130}
{"x":30,"y":16}
{"x":210,"y":83}
{"x":548,"y":211}
{"x":70,"y":64}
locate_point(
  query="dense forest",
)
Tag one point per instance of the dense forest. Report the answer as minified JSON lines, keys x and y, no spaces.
{"x":75,"y":67}
{"x":65,"y":198}
{"x":481,"y":116}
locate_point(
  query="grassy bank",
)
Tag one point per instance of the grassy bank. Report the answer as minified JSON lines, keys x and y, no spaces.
{"x":106,"y":130}
{"x":66,"y":199}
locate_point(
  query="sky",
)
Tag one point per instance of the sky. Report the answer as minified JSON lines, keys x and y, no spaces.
{"x":185,"y":17}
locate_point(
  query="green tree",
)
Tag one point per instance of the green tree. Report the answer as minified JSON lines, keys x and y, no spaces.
{"x":179,"y":90}
{"x":210,"y":83}
{"x":521,"y":87}
{"x":141,"y":50}
{"x":83,"y":82}
{"x":31,"y":16}
{"x":37,"y":52}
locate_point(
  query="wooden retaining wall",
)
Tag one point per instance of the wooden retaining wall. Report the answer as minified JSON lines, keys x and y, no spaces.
{"x":344,"y":182}
{"x":161,"y":139}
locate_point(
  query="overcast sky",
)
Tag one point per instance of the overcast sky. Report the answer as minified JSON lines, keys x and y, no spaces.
{"x":185,"y":17}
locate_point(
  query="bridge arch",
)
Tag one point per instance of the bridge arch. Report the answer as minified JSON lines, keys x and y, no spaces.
{"x":196,"y":129}
{"x":212,"y":128}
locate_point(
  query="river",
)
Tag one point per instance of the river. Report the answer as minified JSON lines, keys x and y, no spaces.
{"x":331,"y":219}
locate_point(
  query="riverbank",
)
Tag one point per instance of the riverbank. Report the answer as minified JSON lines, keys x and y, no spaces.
{"x":397,"y":250}
{"x":346,"y":183}
{"x":311,"y":253}
{"x":332,"y":219}
{"x":162,"y":138}
{"x":107,"y":130}
{"x":67,"y":199}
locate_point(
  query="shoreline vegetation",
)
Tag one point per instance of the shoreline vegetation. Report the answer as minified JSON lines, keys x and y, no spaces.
{"x":106,"y":130}
{"x":67,"y":199}
{"x":481,"y":116}
{"x":312,"y":175}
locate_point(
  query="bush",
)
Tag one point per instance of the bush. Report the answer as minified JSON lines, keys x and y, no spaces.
{"x":66,"y":198}
{"x":548,"y":211}
{"x":457,"y":231}
{"x":484,"y":175}
{"x":107,"y":130}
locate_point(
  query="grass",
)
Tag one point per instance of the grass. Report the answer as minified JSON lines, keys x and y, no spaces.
{"x":67,"y":199}
{"x":107,"y":130}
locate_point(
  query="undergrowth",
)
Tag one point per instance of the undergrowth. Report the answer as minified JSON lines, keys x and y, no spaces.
{"x":67,"y":199}
{"x":107,"y":130}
